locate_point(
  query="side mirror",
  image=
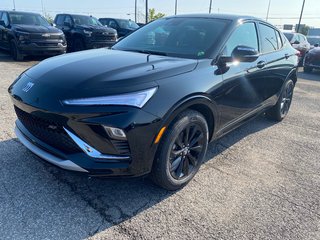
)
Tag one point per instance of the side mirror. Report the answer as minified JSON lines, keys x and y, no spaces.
{"x":67,"y":24}
{"x":296,"y":42}
{"x":2,"y":23}
{"x":244,"y":54}
{"x":316,"y":45}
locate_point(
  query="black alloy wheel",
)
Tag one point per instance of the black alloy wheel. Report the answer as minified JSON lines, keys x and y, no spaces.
{"x":181,"y":151}
{"x":281,"y":109}
{"x":78,"y":45}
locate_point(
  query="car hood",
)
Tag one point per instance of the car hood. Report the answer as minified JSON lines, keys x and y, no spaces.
{"x":315,"y":50}
{"x":35,"y":28}
{"x":96,"y":28}
{"x":95,"y":73}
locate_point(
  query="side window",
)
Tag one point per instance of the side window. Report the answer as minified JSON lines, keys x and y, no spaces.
{"x":60,"y":20}
{"x":246,"y":35}
{"x":0,"y":14}
{"x":112,"y":24}
{"x":279,"y":40}
{"x":68,"y":19}
{"x":104,"y":21}
{"x":5,"y":18}
{"x":269,"y":40}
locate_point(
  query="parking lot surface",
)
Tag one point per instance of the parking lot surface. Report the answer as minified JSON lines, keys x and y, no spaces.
{"x":261,"y":181}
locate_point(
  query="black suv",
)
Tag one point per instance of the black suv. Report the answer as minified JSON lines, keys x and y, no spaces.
{"x":85,"y":32}
{"x":25,"y":33}
{"x":153,"y":102}
{"x":123,"y":26}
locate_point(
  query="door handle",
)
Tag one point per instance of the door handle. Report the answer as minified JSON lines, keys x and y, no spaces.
{"x":261,"y":64}
{"x":286,"y":55}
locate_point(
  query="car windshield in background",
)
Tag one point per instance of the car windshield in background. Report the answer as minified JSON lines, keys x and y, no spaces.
{"x":177,"y":37}
{"x":127,"y":24}
{"x":28,"y":19}
{"x":289,"y":36}
{"x":85,"y":20}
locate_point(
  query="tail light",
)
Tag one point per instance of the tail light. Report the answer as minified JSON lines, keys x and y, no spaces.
{"x":298,"y":53}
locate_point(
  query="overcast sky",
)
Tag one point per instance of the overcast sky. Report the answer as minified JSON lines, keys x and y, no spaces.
{"x":281,"y":11}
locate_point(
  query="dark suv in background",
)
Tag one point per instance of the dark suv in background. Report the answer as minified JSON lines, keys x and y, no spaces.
{"x":123,"y":26}
{"x":25,"y":33}
{"x":300,"y":43}
{"x":85,"y":32}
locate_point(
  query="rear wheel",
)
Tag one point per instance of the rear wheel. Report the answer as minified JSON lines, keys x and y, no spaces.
{"x":181,"y":151}
{"x":281,"y":109}
{"x":15,"y":51}
{"x":78,"y":45}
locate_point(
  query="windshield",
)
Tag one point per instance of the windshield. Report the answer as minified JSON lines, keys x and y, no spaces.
{"x":85,"y":20}
{"x":177,"y":37}
{"x":28,"y":19}
{"x":127,"y":24}
{"x":289,"y":36}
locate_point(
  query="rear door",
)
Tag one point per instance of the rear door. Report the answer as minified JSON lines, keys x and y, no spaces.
{"x":277,"y":65}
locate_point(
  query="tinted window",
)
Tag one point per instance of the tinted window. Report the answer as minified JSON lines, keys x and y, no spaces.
{"x":104,"y":21}
{"x":269,"y":40}
{"x":178,"y":37}
{"x":5,"y":18}
{"x":60,"y":20}
{"x":28,"y":19}
{"x":289,"y":36}
{"x":68,"y":20}
{"x":0,"y":14}
{"x":112,"y":24}
{"x":127,"y":24}
{"x":85,"y":20}
{"x":246,"y":35}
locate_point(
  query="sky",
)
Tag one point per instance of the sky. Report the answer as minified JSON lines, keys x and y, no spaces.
{"x":281,"y":11}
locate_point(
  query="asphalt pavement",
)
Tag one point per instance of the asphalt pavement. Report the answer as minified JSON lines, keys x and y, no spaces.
{"x":261,"y":181}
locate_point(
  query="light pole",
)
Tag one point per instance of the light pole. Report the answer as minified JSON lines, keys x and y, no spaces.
{"x":147,"y":11}
{"x":176,"y":8}
{"x":14,"y":5}
{"x":42,"y":7}
{"x":135,"y":10}
{"x":210,"y":6}
{"x":300,"y":16}
{"x":268,"y":10}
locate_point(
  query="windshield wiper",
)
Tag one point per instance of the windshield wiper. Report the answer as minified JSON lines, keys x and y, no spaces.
{"x":146,"y":52}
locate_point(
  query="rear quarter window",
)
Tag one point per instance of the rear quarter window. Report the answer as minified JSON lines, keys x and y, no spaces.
{"x":269,"y":41}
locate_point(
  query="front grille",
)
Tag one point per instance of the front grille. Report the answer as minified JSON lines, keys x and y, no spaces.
{"x":50,"y":132}
{"x":43,"y":36}
{"x":121,"y":146}
{"x":99,"y":36}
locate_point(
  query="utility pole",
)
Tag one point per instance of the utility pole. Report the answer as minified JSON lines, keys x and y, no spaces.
{"x":147,"y":11}
{"x":210,"y":6}
{"x":14,"y":5}
{"x":176,"y":8}
{"x":42,"y":7}
{"x":135,"y":10}
{"x":300,"y":16}
{"x":268,"y":10}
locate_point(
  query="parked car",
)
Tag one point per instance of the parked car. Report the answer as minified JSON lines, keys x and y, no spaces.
{"x":24,"y":33}
{"x":85,"y":32}
{"x":312,"y":60}
{"x":314,"y":41}
{"x":300,"y":43}
{"x":123,"y":26}
{"x":152,"y":107}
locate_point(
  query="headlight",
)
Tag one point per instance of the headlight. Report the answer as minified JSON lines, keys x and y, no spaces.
{"x":135,"y":99}
{"x":23,"y":36}
{"x":87,"y":32}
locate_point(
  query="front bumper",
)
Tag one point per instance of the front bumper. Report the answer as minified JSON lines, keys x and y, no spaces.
{"x":76,"y":142}
{"x":42,"y":48}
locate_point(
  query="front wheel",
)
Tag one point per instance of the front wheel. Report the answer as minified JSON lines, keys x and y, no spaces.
{"x":15,"y":51}
{"x":281,"y":109}
{"x":181,"y":151}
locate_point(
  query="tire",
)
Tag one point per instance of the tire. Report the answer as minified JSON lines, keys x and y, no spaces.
{"x":181,"y":151}
{"x":15,"y":51}
{"x":307,"y":69}
{"x":281,"y":109}
{"x":78,"y":45}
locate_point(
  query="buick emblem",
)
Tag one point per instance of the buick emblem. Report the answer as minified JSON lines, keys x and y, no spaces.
{"x":28,"y":87}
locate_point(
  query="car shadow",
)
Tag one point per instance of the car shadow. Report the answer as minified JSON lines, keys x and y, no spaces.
{"x":75,"y":205}
{"x":6,"y":57}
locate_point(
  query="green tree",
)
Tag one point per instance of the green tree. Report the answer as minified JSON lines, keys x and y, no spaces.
{"x":153,"y":15}
{"x":49,"y":18}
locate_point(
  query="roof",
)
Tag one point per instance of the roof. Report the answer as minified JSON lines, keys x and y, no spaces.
{"x":19,"y":12}
{"x":231,"y":17}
